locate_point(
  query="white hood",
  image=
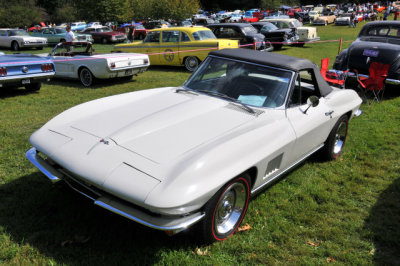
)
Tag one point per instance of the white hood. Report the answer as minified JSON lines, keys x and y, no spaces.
{"x":166,"y":125}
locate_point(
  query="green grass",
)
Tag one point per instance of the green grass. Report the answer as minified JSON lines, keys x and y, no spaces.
{"x":347,"y":211}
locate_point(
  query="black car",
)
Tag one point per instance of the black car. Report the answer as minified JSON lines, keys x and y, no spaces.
{"x":203,"y":21}
{"x":377,"y":41}
{"x":244,"y":32}
{"x":277,"y":37}
{"x":155,"y":24}
{"x":303,"y":17}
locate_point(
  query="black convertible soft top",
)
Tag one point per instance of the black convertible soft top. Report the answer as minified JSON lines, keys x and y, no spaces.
{"x":276,"y":60}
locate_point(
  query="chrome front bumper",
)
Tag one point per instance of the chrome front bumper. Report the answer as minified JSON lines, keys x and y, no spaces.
{"x":171,"y":225}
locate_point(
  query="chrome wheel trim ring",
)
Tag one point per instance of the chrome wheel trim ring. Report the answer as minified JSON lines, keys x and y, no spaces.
{"x":340,"y":138}
{"x":191,"y":63}
{"x":230,"y":208}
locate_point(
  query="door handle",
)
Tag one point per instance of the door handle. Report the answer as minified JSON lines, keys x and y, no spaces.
{"x":329,"y":113}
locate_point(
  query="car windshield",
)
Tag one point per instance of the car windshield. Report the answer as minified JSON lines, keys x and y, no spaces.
{"x":68,"y":49}
{"x":268,"y":27}
{"x":296,"y":24}
{"x":61,"y":30}
{"x":313,"y":13}
{"x":250,"y":84}
{"x":105,"y":29}
{"x":203,"y":35}
{"x":139,"y":27}
{"x":18,"y":33}
{"x":249,"y":30}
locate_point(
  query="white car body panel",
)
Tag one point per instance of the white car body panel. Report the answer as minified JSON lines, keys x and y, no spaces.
{"x":169,"y":151}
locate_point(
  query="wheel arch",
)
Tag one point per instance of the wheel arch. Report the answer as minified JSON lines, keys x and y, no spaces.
{"x":82,"y":67}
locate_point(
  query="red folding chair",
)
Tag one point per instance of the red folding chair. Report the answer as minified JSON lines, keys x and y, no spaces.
{"x":332,"y":78}
{"x":375,"y":83}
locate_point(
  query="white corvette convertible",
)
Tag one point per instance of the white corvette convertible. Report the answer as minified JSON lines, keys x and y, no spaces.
{"x":76,"y":60}
{"x":170,"y":158}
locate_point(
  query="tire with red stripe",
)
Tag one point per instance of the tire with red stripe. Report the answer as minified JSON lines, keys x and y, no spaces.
{"x":226,"y":210}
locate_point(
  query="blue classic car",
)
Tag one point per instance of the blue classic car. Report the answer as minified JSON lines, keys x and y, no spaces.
{"x":78,"y":26}
{"x":25,"y":70}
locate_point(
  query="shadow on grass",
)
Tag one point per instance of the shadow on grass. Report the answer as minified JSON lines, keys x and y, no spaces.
{"x":9,"y":92}
{"x":63,"y":225}
{"x":384,"y":224}
{"x":100,"y":83}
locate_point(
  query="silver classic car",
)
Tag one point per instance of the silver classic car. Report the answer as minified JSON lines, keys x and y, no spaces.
{"x":18,"y":38}
{"x":171,"y":158}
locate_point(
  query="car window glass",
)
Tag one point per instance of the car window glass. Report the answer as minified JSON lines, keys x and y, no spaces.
{"x":260,"y":86}
{"x":184,"y":37}
{"x":394,"y":32}
{"x":61,"y":30}
{"x":3,"y":33}
{"x":170,"y":36}
{"x":285,"y":25}
{"x":46,"y":31}
{"x":153,"y":37}
{"x":305,"y":86}
{"x":203,"y":35}
{"x":249,"y":30}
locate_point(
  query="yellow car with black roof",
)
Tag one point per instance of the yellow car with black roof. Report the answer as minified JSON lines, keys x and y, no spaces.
{"x":177,"y":46}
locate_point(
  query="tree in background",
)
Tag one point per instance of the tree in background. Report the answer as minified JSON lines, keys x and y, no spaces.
{"x":14,"y":13}
{"x":162,"y":9}
{"x":67,"y":13}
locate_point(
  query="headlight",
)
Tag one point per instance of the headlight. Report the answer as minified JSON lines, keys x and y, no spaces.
{"x":113,"y":37}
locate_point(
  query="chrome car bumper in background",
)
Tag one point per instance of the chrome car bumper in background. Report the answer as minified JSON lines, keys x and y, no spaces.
{"x":353,"y":75}
{"x":17,"y":79}
{"x":171,"y":225}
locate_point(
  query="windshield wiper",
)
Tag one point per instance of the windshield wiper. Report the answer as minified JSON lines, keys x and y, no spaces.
{"x":224,"y":96}
{"x":186,"y":90}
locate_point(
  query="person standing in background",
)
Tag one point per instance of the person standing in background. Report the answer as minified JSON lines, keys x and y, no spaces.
{"x":69,"y":36}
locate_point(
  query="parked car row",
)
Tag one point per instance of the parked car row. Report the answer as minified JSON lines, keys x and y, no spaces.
{"x":71,"y":60}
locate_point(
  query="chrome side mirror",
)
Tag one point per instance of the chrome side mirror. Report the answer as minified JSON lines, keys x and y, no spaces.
{"x":312,"y":101}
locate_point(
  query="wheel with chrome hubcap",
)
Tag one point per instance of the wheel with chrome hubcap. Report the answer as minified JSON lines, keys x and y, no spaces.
{"x":336,"y":140}
{"x":226,"y":209}
{"x":191,"y":63}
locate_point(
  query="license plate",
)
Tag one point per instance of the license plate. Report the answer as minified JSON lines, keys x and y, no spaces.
{"x":128,"y":72}
{"x":371,"y":53}
{"x":26,"y":81}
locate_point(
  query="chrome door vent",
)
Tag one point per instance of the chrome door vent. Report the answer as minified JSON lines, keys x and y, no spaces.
{"x":273,"y":165}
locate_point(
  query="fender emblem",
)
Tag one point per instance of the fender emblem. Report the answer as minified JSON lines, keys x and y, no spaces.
{"x":104,"y":141}
{"x":25,"y":69}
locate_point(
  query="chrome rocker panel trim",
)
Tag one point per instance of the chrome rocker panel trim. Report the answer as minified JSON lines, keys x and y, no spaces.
{"x":172,"y":224}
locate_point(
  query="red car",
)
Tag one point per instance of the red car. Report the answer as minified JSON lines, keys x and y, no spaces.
{"x":37,"y":27}
{"x":105,"y":35}
{"x":291,"y":11}
{"x":140,"y":31}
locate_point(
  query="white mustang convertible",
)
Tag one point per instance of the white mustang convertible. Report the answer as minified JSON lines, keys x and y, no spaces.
{"x":170,"y":158}
{"x":76,"y":60}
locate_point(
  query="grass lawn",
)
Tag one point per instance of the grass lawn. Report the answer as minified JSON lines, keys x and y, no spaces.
{"x":346,"y":211}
